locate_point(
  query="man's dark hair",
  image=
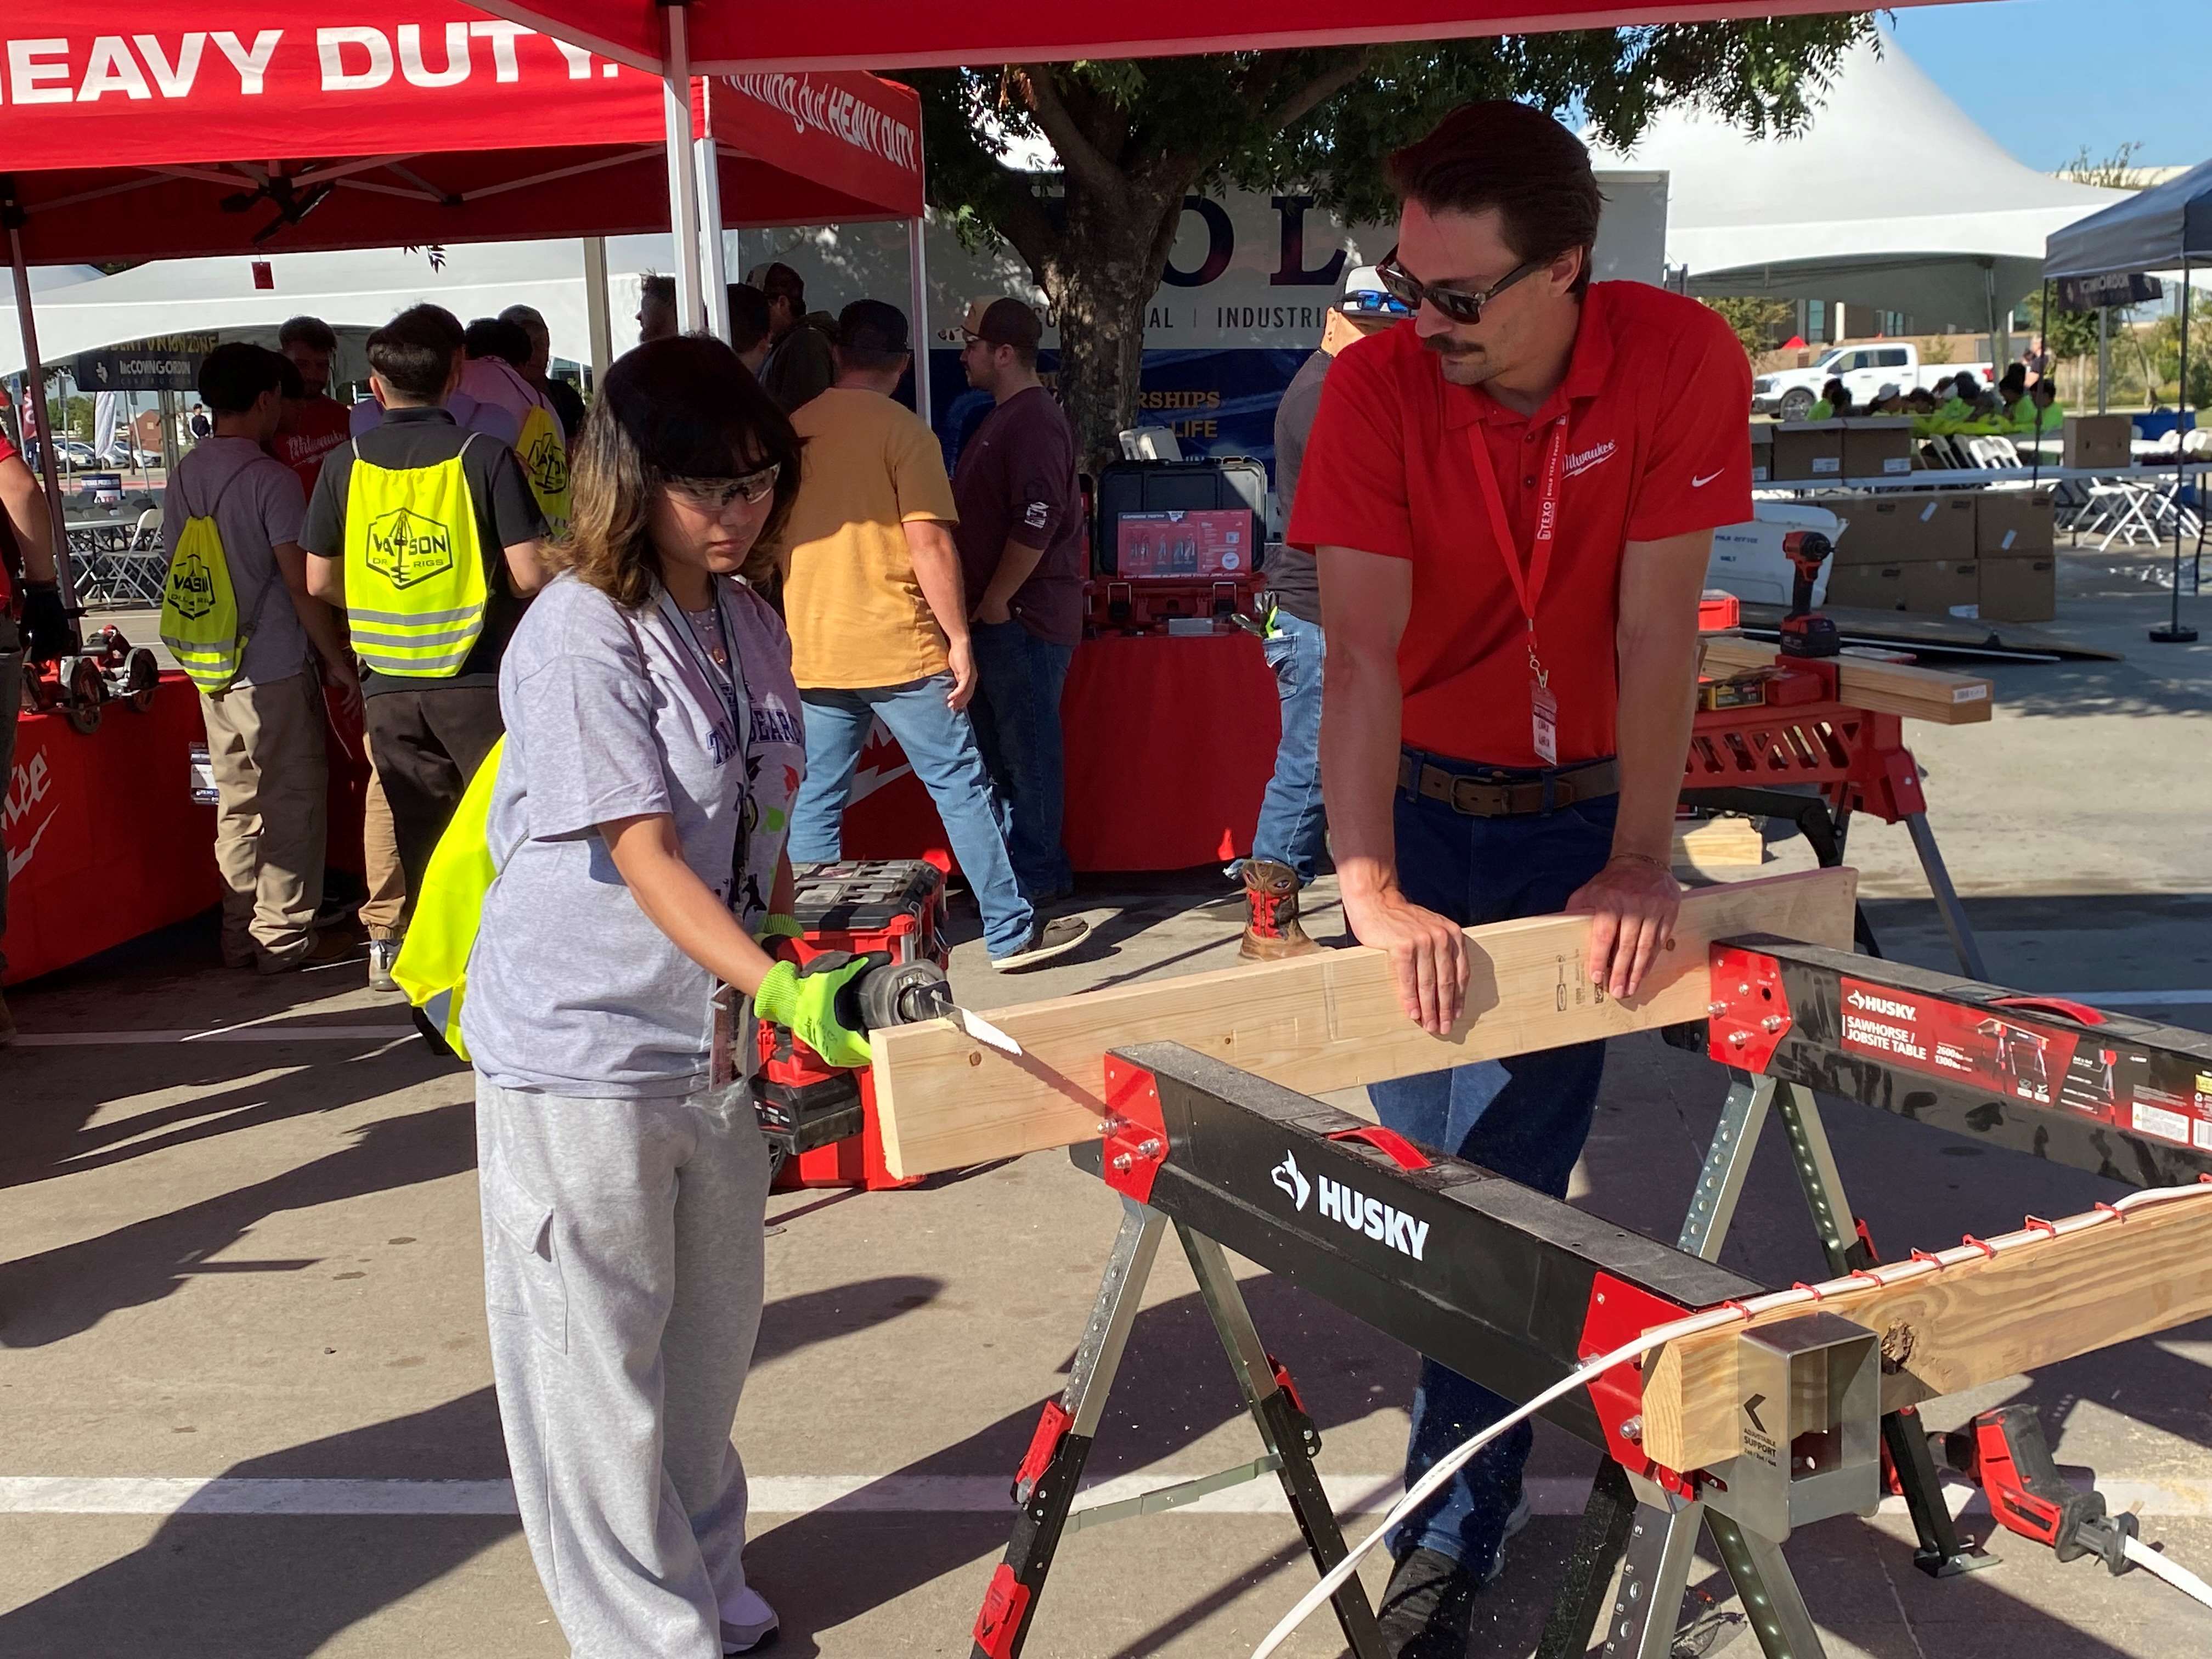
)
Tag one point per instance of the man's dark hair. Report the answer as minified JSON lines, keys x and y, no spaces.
{"x":232,"y":377}
{"x":2014,"y":384}
{"x":311,"y":332}
{"x":292,"y":384}
{"x":2047,"y":388}
{"x":660,"y":289}
{"x":1513,"y":157}
{"x":495,"y":337}
{"x":780,"y":281}
{"x":872,"y":334}
{"x":748,"y":316}
{"x":415,"y":351}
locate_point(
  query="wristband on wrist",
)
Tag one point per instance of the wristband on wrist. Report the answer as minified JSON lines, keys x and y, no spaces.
{"x":1642,"y":858}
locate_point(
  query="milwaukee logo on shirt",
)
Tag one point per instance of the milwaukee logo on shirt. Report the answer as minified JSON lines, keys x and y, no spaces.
{"x":1337,"y":1202}
{"x":1582,"y":460}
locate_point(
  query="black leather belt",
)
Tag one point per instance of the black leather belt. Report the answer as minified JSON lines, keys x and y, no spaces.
{"x":1501,"y":793}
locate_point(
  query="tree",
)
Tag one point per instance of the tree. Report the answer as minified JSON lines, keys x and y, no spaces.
{"x":2073,"y":334}
{"x":1135,"y":138}
{"x":1758,"y":322}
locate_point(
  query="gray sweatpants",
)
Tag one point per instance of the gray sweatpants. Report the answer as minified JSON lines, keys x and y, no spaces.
{"x":623,"y":1277}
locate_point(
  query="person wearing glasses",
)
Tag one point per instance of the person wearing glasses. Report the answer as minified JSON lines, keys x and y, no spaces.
{"x":637,"y":826}
{"x":1512,"y":504}
{"x":879,"y":627}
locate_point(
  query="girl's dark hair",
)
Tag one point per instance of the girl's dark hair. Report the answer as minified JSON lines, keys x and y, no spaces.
{"x":1513,"y":157}
{"x":679,"y":408}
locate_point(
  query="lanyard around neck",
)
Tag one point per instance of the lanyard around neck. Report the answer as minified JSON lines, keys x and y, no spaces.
{"x":1528,"y":582}
{"x":730,"y":683}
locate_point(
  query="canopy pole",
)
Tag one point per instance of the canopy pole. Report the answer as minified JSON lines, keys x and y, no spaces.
{"x":34,"y":376}
{"x":918,"y":273}
{"x":2171,"y":632}
{"x":713,"y":267}
{"x":2104,"y":357}
{"x":597,"y":315}
{"x":682,"y":174}
{"x":2035,"y":466}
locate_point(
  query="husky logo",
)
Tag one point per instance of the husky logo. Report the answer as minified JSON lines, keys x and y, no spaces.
{"x":405,"y":547}
{"x":547,"y":463}
{"x":191,"y":589}
{"x":1393,"y":1228}
{"x":1292,"y":1181}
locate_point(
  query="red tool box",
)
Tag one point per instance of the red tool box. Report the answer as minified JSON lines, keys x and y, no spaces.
{"x":821,"y":1120}
{"x":1115,"y":606}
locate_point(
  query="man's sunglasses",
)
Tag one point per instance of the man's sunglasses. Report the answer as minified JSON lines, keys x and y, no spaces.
{"x":715,"y":495}
{"x":1461,"y":305}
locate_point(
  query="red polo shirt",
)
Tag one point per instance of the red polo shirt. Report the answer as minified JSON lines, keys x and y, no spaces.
{"x":1658,"y":398}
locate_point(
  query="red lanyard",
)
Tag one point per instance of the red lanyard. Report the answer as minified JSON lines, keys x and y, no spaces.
{"x":1528,"y":584}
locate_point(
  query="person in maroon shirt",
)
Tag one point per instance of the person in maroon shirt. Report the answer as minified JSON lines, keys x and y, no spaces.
{"x":1020,"y":538}
{"x":1512,"y":501}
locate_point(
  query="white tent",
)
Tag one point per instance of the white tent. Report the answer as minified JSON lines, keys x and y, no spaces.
{"x":1892,"y":197}
{"x":349,"y":290}
{"x":2166,"y":228}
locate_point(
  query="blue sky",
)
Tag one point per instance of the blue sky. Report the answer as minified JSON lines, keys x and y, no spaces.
{"x":2045,"y":77}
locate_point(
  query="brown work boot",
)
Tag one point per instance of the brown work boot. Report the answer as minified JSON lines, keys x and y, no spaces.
{"x":1271,"y":903}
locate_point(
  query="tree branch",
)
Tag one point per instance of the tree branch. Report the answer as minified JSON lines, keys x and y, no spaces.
{"x":1317,"y":91}
{"x":1077,"y":154}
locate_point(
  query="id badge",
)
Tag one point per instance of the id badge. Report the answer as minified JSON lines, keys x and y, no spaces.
{"x":1544,"y":714}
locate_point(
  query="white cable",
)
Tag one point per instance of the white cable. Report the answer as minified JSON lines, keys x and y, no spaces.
{"x":2179,"y":1576}
{"x":1712,"y":1319}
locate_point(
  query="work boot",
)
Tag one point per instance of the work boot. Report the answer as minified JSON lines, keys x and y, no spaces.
{"x":1270,"y":902}
{"x":1428,"y":1608}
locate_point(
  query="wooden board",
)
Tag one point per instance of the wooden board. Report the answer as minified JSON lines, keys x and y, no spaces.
{"x":1316,"y":1023}
{"x":1974,"y":1323}
{"x":1719,"y":843}
{"x":1921,"y":694}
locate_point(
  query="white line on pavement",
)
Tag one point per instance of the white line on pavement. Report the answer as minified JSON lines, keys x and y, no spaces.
{"x":804,"y":1494}
{"x":218,"y":1034}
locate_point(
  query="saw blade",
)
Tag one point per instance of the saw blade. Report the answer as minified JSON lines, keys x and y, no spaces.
{"x":983,"y":1031}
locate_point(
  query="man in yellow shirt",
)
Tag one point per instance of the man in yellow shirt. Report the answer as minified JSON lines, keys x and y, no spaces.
{"x":2040,"y":415}
{"x":878,"y":622}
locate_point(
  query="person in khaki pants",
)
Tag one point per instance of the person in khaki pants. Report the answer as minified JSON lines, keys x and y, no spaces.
{"x":381,"y":911}
{"x":265,"y":730}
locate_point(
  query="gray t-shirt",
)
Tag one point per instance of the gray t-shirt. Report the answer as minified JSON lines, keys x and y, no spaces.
{"x":257,"y":502}
{"x":613,"y":715}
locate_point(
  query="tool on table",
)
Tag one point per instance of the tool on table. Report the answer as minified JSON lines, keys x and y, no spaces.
{"x":1804,"y":631}
{"x":2005,"y":1453}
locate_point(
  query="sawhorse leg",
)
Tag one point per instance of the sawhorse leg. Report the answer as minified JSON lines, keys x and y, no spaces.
{"x":1045,"y":1486}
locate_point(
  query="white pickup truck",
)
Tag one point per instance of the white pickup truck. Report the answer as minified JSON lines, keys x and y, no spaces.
{"x":1865,"y":369}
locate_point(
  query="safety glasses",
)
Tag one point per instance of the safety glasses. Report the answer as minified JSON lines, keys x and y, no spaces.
{"x":1462,"y":305}
{"x":716,"y":495}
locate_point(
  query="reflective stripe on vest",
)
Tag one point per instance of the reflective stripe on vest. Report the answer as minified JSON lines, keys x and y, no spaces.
{"x":199,"y":602}
{"x":414,"y":567}
{"x":544,"y":460}
{"x":432,"y":968}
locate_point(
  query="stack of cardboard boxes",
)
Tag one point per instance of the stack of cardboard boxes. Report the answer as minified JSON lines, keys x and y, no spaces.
{"x":1982,"y":553}
{"x":1829,"y":451}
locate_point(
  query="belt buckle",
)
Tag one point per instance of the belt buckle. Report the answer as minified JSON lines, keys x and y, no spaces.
{"x":1474,"y":799}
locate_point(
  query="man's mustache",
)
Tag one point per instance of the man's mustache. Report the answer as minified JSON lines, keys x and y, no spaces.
{"x":1445,"y":346}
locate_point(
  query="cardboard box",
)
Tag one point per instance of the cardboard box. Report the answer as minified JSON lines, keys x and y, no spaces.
{"x":2099,"y":441}
{"x":1914,"y":529}
{"x":2012,"y":524}
{"x":1944,"y":587}
{"x":1762,"y":450}
{"x":1867,"y":587}
{"x":2020,"y":590}
{"x":1808,"y":449}
{"x":1877,"y":446}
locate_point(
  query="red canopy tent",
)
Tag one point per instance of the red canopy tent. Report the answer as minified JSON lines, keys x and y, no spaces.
{"x":377,"y":127}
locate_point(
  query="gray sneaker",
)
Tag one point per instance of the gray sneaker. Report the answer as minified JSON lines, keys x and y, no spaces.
{"x":382,"y":953}
{"x":1047,"y":940}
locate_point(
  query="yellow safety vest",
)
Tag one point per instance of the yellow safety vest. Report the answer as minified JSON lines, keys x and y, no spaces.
{"x":199,"y":605}
{"x":433,"y":967}
{"x":544,"y":460}
{"x":1822,"y":410}
{"x":415,"y":587}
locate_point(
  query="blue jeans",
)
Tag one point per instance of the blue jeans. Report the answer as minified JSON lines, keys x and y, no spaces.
{"x":1291,"y":825}
{"x":1017,"y":714}
{"x":940,"y":746}
{"x":1475,"y":870}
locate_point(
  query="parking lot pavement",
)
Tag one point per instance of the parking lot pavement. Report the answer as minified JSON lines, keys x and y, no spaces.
{"x":243,"y":1368}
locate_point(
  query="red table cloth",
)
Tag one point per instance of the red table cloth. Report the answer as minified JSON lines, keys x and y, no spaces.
{"x":1171,"y":741}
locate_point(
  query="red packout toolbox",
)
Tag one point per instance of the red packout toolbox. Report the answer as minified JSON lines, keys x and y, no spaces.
{"x":1115,"y":606}
{"x":820,"y":1121}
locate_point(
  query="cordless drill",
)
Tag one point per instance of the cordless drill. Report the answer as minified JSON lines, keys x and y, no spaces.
{"x":1805,"y":632}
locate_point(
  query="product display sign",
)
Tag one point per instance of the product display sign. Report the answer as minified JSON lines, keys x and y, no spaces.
{"x":168,"y":362}
{"x":1201,"y":543}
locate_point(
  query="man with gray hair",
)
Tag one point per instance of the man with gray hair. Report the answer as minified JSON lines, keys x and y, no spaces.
{"x":567,"y":402}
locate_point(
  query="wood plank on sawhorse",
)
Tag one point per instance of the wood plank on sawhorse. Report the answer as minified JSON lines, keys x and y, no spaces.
{"x":1320,"y":1023}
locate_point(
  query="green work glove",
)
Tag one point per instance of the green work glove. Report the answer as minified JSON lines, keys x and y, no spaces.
{"x":775,"y":928}
{"x":804,"y":1001}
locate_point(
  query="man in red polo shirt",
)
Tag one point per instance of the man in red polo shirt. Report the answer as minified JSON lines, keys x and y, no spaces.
{"x":315,"y":423}
{"x":1511,"y":498}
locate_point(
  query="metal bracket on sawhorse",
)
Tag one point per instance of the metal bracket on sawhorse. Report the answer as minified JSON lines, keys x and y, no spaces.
{"x":1046,"y":1484}
{"x":1654,"y":1535}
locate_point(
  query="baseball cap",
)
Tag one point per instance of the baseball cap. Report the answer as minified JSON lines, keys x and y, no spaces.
{"x":1365,"y":296}
{"x":1005,"y":321}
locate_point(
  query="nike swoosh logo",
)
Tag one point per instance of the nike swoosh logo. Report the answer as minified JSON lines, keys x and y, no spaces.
{"x":1700,"y":484}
